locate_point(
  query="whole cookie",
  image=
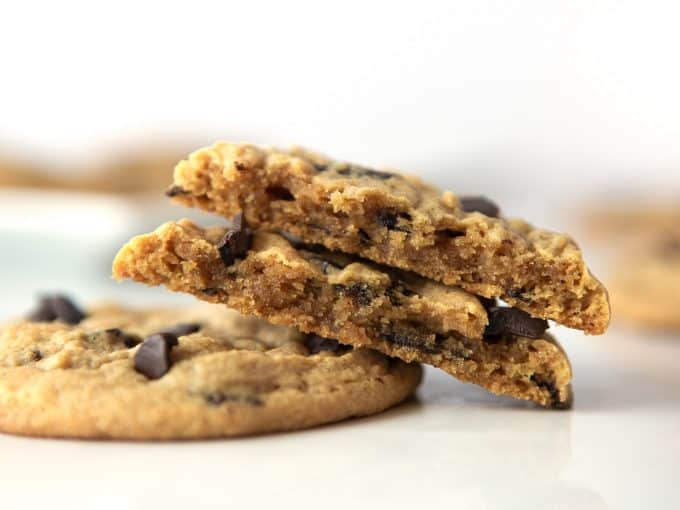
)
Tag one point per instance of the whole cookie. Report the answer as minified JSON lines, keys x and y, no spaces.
{"x":182,"y":374}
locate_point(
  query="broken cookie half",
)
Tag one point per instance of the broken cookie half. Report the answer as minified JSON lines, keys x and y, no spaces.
{"x":399,"y":221}
{"x":357,"y":302}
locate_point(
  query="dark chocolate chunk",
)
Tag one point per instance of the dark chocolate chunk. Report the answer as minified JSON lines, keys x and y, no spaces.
{"x":316,"y":344}
{"x":518,"y":294}
{"x":505,"y":320}
{"x":409,"y":339}
{"x":360,"y":171}
{"x":210,"y":291}
{"x":66,"y":310}
{"x":555,"y":403}
{"x":360,"y":292}
{"x":240,"y":166}
{"x":182,"y":329}
{"x":36,"y":355}
{"x":57,"y":307}
{"x":216,"y":398}
{"x":129,"y":341}
{"x":480,"y":204}
{"x":396,"y":290}
{"x":280,"y":193}
{"x":236,"y":242}
{"x":173,"y":191}
{"x":387,"y":219}
{"x":363,"y":235}
{"x":450,"y":233}
{"x":44,"y":312}
{"x":153,"y":357}
{"x":390,"y":220}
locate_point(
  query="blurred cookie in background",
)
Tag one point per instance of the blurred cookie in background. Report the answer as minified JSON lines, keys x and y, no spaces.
{"x":637,"y":236}
{"x":16,"y":173}
{"x":631,"y":216}
{"x":645,"y":285}
{"x":128,"y":169}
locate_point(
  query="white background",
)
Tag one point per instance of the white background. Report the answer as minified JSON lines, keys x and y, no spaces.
{"x":516,"y":98}
{"x":541,"y":105}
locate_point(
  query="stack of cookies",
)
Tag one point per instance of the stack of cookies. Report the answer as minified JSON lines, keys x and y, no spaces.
{"x":378,"y":260}
{"x":347,"y":279}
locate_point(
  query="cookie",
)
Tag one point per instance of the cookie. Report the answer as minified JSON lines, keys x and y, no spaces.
{"x":645,"y":284}
{"x":182,"y":374}
{"x":20,"y":174}
{"x":355,"y":301}
{"x":399,"y":221}
{"x":132,"y":170}
{"x":629,"y":218}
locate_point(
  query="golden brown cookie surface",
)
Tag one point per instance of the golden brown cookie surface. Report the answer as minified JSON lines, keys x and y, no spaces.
{"x":399,"y":221}
{"x":356,"y":302}
{"x":229,"y":375}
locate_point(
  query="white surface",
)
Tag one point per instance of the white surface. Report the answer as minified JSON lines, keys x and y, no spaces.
{"x":455,"y":446}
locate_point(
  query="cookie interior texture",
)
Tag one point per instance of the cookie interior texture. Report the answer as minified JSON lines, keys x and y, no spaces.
{"x":358,"y":303}
{"x":399,"y":221}
{"x":232,"y":376}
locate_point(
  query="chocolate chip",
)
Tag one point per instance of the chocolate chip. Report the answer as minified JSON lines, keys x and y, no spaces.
{"x":182,"y":329}
{"x":44,"y":311}
{"x":173,"y":191}
{"x":320,"y":167}
{"x":387,"y":219}
{"x":360,"y":171}
{"x":240,"y":166}
{"x":36,"y":355}
{"x":363,"y":235}
{"x":505,"y":320}
{"x":480,"y":204}
{"x":210,"y":291}
{"x":390,"y":220}
{"x":279,"y":193}
{"x":129,"y":341}
{"x":450,"y":233}
{"x":396,"y":290}
{"x":57,"y":307}
{"x":518,"y":294}
{"x":409,"y":339}
{"x":555,"y":403}
{"x":236,"y":242}
{"x":66,"y":310}
{"x":216,"y":398}
{"x":153,"y":357}
{"x":315,"y":344}
{"x":360,"y":292}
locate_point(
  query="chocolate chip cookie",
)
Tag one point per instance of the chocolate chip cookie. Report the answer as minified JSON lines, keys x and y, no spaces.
{"x":111,"y":372}
{"x":646,"y":282}
{"x":357,"y":302}
{"x":399,"y":221}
